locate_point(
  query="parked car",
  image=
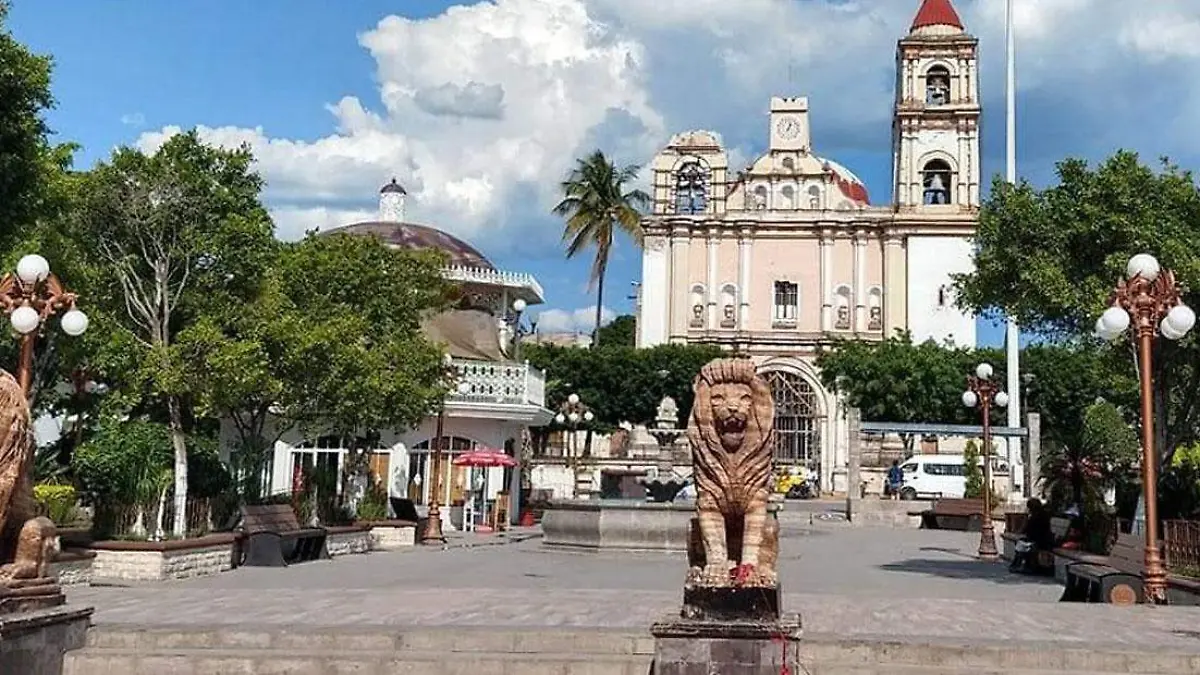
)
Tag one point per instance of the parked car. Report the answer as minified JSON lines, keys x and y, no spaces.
{"x":938,"y":476}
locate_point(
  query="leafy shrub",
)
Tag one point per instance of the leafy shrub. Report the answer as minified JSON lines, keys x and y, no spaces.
{"x":374,"y":503}
{"x":56,"y":502}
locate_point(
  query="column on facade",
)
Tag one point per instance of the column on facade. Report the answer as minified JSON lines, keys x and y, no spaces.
{"x":895,"y":284}
{"x":745,"y":241}
{"x":712,"y":241}
{"x":860,"y":281}
{"x":962,"y":193}
{"x":826,"y":290}
{"x":680,"y":312}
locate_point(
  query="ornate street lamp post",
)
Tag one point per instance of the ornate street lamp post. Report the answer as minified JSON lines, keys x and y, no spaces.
{"x":432,"y":533}
{"x":1148,"y":299}
{"x":31,"y":296}
{"x":982,"y":392}
{"x":570,"y":414}
{"x":518,"y":330}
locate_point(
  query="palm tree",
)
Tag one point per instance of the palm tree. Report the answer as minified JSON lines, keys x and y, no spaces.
{"x":596,"y":204}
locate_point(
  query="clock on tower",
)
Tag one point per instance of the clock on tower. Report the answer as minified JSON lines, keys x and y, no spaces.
{"x":789,"y":124}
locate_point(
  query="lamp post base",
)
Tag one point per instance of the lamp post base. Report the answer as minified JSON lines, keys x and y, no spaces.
{"x":1154,"y":581}
{"x":987,"y":542}
{"x":432,"y":532}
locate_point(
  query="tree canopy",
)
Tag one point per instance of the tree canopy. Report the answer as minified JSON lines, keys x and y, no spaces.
{"x":621,"y":332}
{"x":1052,"y":257}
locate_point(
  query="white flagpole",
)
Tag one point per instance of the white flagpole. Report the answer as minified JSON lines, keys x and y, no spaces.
{"x":1012,"y":333}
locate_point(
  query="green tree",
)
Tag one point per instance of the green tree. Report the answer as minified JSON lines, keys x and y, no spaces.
{"x":973,"y":470}
{"x":898,"y":381}
{"x":179,"y":235}
{"x":1079,"y":473}
{"x":621,"y":332}
{"x":356,"y":362}
{"x":597,"y":203}
{"x":30,"y":165}
{"x":1051,"y":258}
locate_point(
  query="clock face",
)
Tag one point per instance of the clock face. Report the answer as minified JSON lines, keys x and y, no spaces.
{"x":788,"y":128}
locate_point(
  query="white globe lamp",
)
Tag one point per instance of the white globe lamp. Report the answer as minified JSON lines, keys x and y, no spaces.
{"x":32,"y":269}
{"x":519,"y":305}
{"x":983,"y":371}
{"x":588,"y":416}
{"x":463,"y":388}
{"x":560,"y":418}
{"x":969,"y":399}
{"x":573,"y":399}
{"x":1142,"y":265}
{"x":1181,"y":319}
{"x":1114,"y":322}
{"x":24,"y":319}
{"x":574,"y":417}
{"x":74,"y":323}
{"x":1001,"y":399}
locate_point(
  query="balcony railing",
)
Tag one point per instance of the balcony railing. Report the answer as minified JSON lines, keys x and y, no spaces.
{"x":499,"y":382}
{"x":475,"y":275}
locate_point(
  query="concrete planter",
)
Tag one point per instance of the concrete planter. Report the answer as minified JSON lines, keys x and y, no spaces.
{"x":73,"y":567}
{"x":390,"y":535}
{"x":161,"y":560}
{"x":348,"y":539}
{"x":617,"y":524}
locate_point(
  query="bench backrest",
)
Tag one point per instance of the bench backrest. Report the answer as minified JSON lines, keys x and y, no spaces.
{"x":1128,"y":554}
{"x":278,"y":518}
{"x":958,"y":507}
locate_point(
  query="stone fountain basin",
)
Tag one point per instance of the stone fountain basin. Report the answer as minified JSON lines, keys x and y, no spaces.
{"x":617,"y":524}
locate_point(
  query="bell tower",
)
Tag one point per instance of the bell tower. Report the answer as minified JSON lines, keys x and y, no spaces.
{"x":935,"y":132}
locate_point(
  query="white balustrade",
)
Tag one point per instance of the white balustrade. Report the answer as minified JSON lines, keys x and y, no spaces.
{"x":475,"y":275}
{"x":499,"y":382}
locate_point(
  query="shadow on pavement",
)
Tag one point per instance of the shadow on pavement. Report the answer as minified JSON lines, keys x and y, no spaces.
{"x":996,"y":572}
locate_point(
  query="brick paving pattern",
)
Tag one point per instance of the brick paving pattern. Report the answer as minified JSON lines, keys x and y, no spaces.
{"x":850,"y":582}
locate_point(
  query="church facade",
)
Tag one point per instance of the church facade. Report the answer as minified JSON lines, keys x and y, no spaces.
{"x":790,"y":255}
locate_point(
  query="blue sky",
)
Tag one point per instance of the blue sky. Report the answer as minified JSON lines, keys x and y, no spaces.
{"x":481,"y":108}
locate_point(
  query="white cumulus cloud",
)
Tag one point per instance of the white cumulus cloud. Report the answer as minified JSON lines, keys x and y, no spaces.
{"x":583,"y":320}
{"x":482,"y":109}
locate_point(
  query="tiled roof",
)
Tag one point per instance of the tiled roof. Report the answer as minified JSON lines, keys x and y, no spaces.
{"x":936,"y":13}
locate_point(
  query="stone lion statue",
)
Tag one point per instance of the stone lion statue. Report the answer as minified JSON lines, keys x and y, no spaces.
{"x":731,"y":432}
{"x":28,"y":542}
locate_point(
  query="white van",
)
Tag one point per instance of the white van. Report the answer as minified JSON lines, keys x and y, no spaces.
{"x":934,"y":476}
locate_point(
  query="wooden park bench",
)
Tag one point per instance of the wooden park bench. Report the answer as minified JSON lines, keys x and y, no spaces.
{"x":273,"y":537}
{"x":953,"y":514}
{"x":1115,"y":578}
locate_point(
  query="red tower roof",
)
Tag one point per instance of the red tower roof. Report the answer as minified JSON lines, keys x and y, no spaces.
{"x":937,"y":13}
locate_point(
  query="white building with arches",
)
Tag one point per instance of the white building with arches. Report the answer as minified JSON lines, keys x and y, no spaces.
{"x":789,"y":254}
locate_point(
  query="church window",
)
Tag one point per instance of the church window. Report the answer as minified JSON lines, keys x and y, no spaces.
{"x":697,"y":306}
{"x":875,"y":309}
{"x":728,"y":306}
{"x":760,"y":198}
{"x":787,"y":302}
{"x":789,"y":164}
{"x":937,"y":86}
{"x":936,"y":179}
{"x":814,"y":197}
{"x":841,"y":317}
{"x":787,"y":198}
{"x":691,"y":189}
{"x":797,"y":419}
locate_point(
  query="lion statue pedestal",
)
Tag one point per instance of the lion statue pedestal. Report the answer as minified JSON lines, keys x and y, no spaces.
{"x":731,"y":618}
{"x":36,"y":628}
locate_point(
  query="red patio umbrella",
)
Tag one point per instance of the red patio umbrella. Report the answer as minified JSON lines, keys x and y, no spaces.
{"x":484,"y":458}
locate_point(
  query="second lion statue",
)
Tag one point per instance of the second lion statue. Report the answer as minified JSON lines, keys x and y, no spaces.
{"x":731,"y":432}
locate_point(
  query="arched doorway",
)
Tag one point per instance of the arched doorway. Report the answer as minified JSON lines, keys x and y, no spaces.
{"x":453,"y":478}
{"x":797,"y":419}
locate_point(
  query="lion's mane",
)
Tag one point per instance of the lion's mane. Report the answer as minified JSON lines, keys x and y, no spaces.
{"x":731,"y":479}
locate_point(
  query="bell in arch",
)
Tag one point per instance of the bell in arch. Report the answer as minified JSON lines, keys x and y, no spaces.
{"x":935,"y":192}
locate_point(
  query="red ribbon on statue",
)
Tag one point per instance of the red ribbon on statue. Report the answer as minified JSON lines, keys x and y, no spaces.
{"x":742,"y":573}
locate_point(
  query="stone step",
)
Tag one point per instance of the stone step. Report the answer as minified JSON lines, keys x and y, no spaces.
{"x":106,"y":661}
{"x":372,"y":646}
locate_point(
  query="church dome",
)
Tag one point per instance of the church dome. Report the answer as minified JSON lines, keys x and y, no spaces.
{"x":419,"y":237}
{"x":393,"y":188}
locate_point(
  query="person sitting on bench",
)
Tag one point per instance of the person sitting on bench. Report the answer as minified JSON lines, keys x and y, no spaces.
{"x":1037,"y":536}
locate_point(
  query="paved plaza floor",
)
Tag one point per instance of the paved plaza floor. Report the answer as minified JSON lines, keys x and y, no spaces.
{"x":867,"y":582}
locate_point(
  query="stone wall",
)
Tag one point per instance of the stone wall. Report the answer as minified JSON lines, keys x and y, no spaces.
{"x":157,"y":561}
{"x":73,"y":568}
{"x":346,"y":540}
